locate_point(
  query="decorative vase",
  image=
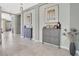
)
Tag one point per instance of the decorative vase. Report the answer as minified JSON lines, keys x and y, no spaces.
{"x":72,"y":48}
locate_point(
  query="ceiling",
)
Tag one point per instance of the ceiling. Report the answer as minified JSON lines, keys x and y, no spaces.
{"x":15,"y":7}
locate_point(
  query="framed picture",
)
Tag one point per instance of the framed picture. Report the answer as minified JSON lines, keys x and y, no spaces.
{"x":29,"y":18}
{"x":51,"y":14}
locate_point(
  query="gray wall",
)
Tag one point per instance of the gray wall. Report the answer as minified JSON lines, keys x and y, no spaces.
{"x":74,"y":22}
{"x":68,"y":16}
{"x":34,"y":22}
{"x":64,"y":17}
{"x":18,"y":23}
{"x":0,"y":23}
{"x":42,"y":18}
{"x":74,"y":15}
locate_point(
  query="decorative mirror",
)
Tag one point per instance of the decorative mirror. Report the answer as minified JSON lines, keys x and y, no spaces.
{"x":51,"y":15}
{"x":29,"y":18}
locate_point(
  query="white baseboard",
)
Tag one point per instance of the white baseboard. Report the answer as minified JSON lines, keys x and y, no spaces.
{"x":64,"y":47}
{"x":51,"y":44}
{"x":77,"y":52}
{"x":21,"y":36}
{"x":36,"y":40}
{"x":40,"y":41}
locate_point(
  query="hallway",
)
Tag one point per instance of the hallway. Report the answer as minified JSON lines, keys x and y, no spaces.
{"x":25,"y":47}
{"x":25,"y":27}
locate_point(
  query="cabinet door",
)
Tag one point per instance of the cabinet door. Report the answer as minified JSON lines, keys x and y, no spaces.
{"x":46,"y":39}
{"x":54,"y":40}
{"x":46,"y":35}
{"x":51,"y":36}
{"x":46,"y":32}
{"x":54,"y":32}
{"x":55,"y":37}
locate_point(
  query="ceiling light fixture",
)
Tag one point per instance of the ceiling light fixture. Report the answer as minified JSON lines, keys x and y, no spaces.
{"x":21,"y":7}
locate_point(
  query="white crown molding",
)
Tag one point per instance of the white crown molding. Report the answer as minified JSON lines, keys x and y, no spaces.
{"x":8,"y":12}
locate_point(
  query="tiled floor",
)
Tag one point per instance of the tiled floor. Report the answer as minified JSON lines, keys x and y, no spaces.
{"x":16,"y":46}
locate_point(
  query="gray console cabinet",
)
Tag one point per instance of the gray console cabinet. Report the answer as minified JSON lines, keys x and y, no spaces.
{"x":51,"y":35}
